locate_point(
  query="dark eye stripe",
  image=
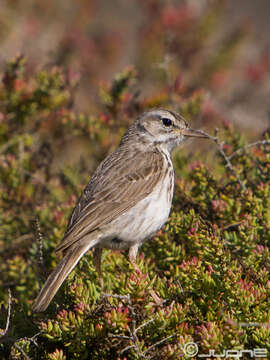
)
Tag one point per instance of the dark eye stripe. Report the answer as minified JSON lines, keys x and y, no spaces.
{"x":167,"y":121}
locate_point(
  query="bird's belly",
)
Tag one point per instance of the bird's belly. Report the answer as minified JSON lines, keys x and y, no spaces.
{"x":143,"y":220}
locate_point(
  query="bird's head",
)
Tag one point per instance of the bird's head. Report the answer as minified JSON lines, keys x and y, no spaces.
{"x":165,"y":128}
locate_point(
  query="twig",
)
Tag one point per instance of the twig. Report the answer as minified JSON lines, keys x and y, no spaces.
{"x":5,"y":337}
{"x":33,"y":338}
{"x":220,"y":147}
{"x":253,"y":324}
{"x":231,"y":226}
{"x":158,"y":343}
{"x":143,"y":325}
{"x":39,"y":237}
{"x":4,"y":333}
{"x":121,"y":297}
{"x":40,"y":241}
{"x":134,"y":339}
{"x":127,"y":348}
{"x":13,"y":341}
{"x":122,"y":337}
{"x":244,"y":148}
{"x":21,"y":351}
{"x":9,"y":312}
{"x":133,"y":331}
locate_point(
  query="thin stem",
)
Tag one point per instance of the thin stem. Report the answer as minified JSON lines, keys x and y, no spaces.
{"x":8,"y":315}
{"x":220,"y":147}
{"x":244,"y":148}
{"x":158,"y":343}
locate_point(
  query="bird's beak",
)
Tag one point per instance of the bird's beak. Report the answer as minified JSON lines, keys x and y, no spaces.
{"x":194,"y":133}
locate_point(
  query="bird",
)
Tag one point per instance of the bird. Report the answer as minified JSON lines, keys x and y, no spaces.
{"x":127,"y":200}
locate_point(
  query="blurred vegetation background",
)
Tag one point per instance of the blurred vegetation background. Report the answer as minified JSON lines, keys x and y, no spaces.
{"x":73,"y":77}
{"x":221,"y":46}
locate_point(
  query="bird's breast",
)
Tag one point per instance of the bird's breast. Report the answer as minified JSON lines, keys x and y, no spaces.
{"x":143,"y":220}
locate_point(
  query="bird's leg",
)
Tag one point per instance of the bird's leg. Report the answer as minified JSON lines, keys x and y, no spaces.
{"x":97,"y":263}
{"x":133,"y":250}
{"x":132,"y":255}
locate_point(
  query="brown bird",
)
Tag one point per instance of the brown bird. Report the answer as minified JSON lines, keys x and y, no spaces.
{"x":128,"y":198}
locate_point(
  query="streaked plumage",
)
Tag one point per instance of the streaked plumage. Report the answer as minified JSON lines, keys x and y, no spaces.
{"x":128,"y":198}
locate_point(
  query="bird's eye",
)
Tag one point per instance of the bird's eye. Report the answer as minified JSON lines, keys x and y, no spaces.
{"x":167,"y":121}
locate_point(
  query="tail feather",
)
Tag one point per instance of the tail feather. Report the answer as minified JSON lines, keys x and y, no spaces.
{"x":59,"y":274}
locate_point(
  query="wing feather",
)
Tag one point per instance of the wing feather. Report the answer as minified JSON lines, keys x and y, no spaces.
{"x":121,"y":181}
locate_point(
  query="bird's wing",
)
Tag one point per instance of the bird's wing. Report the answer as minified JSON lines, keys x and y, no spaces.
{"x":119,"y":183}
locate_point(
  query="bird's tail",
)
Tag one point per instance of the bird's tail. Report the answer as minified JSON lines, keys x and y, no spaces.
{"x":59,"y":274}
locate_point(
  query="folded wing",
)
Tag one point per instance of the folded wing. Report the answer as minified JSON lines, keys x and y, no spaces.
{"x":120,"y":185}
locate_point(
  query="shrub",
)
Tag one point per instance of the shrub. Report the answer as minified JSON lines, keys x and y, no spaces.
{"x":210,"y":263}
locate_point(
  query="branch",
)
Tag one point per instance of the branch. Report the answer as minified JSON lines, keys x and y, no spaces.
{"x":40,"y":241}
{"x":143,"y":325}
{"x":226,"y":158}
{"x":244,"y":148}
{"x":116,"y":296}
{"x":133,"y":338}
{"x":135,"y":343}
{"x":4,"y":333}
{"x":9,"y":312}
{"x":158,"y":343}
{"x":21,"y":351}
